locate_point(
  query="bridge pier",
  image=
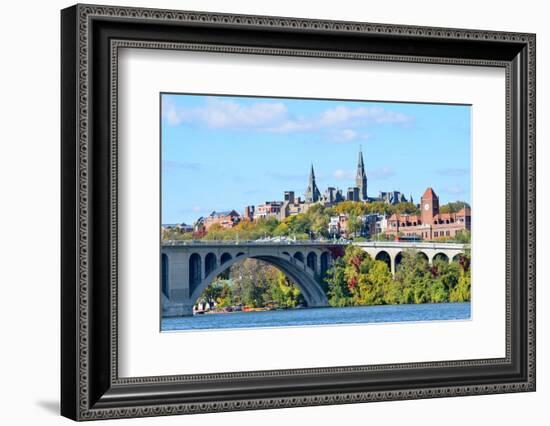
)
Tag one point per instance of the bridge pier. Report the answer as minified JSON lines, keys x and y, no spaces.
{"x":174,"y":309}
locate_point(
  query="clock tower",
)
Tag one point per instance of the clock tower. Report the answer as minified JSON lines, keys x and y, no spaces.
{"x":429,"y":206}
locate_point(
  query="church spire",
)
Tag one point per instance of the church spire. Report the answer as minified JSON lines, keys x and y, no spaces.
{"x":312,"y":193}
{"x":361,"y":177}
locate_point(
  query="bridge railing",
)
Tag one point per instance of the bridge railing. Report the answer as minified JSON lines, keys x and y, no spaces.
{"x":413,"y":244}
{"x":253,"y":242}
{"x":373,"y":244}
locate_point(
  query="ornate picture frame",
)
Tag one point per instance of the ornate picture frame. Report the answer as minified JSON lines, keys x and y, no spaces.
{"x":91,"y":37}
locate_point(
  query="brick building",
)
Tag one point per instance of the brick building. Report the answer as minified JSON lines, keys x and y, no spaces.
{"x":430,"y":224}
{"x":226,"y":219}
{"x":268,"y":209}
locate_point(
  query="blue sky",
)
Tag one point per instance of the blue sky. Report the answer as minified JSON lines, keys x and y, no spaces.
{"x":226,"y":152}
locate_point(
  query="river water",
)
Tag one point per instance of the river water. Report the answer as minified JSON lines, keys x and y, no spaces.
{"x":321,"y":316}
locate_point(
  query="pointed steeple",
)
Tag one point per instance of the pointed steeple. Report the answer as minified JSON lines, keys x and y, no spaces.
{"x":361,"y":177}
{"x":312,"y":193}
{"x":360,"y":164}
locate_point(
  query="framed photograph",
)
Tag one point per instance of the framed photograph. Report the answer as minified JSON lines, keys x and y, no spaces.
{"x":263,"y":212}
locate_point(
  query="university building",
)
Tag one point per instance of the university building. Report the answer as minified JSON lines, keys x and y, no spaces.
{"x":226,"y":219}
{"x":430,"y":224}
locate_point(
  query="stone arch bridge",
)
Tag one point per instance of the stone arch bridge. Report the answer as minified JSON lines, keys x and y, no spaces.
{"x":187,"y":268}
{"x":391,"y":252}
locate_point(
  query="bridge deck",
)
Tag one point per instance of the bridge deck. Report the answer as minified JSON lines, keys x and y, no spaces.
{"x":316,"y":243}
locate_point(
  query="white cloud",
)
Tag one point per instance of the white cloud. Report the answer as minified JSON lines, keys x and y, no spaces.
{"x":343,"y":174}
{"x":170,"y":113}
{"x":347,"y":135}
{"x":343,"y":114}
{"x":274,"y":117}
{"x":222,"y":113}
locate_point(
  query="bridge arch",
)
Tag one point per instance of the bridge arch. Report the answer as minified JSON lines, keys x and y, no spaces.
{"x":397,"y":260}
{"x":423,"y":256}
{"x":210,"y":263}
{"x":293,"y":268}
{"x":195,"y":275}
{"x":385,"y":257}
{"x":440,"y":256}
{"x":299,"y":256}
{"x":325,"y":263}
{"x":226,"y":257}
{"x":312,"y":260}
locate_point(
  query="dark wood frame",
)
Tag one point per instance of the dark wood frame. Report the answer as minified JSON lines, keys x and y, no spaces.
{"x":90,"y":386}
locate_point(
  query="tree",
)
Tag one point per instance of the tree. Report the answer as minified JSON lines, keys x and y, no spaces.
{"x":461,"y":293}
{"x":453,"y":207}
{"x":406,"y":208}
{"x":464,"y":236}
{"x":338,"y":291}
{"x":283,"y":293}
{"x":412,"y":275}
{"x":355,"y":225}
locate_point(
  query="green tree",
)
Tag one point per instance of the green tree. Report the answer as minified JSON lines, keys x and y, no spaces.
{"x":283,"y":293}
{"x":338,"y":291}
{"x":406,"y":208}
{"x":453,"y":207}
{"x":413,"y":276}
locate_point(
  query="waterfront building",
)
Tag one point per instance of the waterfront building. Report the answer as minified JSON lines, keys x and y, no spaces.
{"x":268,"y":209}
{"x":199,"y":230}
{"x":292,"y":205}
{"x":430,"y":224}
{"x":334,"y":226}
{"x":180,"y":227}
{"x":338,"y":225}
{"x":183,"y":227}
{"x":226,"y":219}
{"x":364,"y":225}
{"x":249,"y":213}
{"x":381,"y":224}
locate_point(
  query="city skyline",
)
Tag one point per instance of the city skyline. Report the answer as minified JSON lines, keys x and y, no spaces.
{"x":245,"y":151}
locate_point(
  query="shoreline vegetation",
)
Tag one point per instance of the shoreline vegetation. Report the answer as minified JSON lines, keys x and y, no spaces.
{"x":355,"y":279}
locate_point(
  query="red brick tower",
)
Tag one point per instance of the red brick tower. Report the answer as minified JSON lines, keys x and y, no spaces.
{"x":429,"y":206}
